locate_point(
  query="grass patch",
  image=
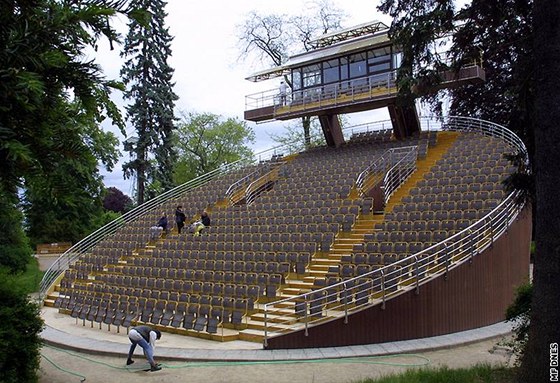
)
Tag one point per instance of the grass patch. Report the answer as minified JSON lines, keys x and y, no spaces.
{"x":482,"y":373}
{"x":31,"y":279}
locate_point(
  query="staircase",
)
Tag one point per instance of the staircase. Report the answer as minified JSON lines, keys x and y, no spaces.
{"x":322,"y":261}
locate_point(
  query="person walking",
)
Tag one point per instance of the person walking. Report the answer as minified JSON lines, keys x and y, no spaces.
{"x":180,"y":218}
{"x":146,"y":337}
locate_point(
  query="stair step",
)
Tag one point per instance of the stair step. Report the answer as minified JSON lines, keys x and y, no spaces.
{"x":251,"y":335}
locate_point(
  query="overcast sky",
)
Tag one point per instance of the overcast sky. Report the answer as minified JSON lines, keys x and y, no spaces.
{"x":208,"y":75}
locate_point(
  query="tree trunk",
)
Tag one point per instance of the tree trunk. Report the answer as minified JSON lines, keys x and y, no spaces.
{"x":544,"y":332}
{"x":306,"y":123}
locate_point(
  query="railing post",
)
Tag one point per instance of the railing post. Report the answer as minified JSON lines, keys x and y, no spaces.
{"x":305,"y":316}
{"x":382,"y":289}
{"x":265,"y":341}
{"x":345,"y":304}
{"x":417,"y":275}
{"x":472,"y":246}
{"x":446,"y":261}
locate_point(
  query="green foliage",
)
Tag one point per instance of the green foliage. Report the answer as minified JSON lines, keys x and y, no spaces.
{"x":206,"y":141}
{"x":15,"y":251}
{"x":482,"y":373}
{"x":294,"y":138}
{"x":20,"y":326}
{"x":148,"y":77}
{"x":63,"y":204}
{"x":31,"y":278}
{"x":52,"y":102}
{"x":116,"y":201}
{"x":519,"y":313}
{"x":41,"y":71}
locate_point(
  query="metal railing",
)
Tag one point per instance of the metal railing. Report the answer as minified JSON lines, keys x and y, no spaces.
{"x":394,"y":166}
{"x":85,"y":245}
{"x":239,"y":187}
{"x":332,"y":93}
{"x":377,"y":286}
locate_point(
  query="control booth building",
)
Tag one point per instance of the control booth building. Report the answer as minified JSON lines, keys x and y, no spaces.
{"x":350,"y":70}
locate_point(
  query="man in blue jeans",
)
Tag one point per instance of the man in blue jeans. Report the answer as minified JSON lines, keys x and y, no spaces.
{"x":146,"y":337}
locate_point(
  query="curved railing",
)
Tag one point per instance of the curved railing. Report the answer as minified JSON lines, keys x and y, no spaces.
{"x":378,"y":286}
{"x":84,"y":246}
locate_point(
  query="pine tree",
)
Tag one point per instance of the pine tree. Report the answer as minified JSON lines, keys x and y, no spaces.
{"x":148,"y":77}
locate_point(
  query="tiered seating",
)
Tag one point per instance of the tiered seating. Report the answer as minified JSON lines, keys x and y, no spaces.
{"x":459,"y":190}
{"x":200,"y":283}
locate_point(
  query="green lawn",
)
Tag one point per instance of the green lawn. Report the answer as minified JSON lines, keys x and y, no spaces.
{"x":32,"y":277}
{"x":476,"y":374}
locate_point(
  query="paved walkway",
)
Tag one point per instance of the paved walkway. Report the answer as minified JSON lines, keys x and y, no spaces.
{"x":99,"y":355}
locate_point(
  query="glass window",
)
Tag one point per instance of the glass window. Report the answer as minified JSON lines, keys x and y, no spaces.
{"x":379,"y":60}
{"x":296,"y":79}
{"x":358,"y":65}
{"x":311,"y":75}
{"x":344,"y":68}
{"x":397,"y":59}
{"x":330,"y":71}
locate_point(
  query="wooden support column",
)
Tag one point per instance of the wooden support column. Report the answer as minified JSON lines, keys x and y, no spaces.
{"x":405,"y":120}
{"x":332,"y":130}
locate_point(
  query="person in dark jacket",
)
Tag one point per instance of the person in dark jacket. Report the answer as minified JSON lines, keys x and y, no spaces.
{"x":163,"y":222}
{"x":180,"y":218}
{"x":145,"y":337}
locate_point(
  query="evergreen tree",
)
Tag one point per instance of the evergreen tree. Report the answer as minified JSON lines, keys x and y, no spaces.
{"x":148,"y":77}
{"x":518,"y":41}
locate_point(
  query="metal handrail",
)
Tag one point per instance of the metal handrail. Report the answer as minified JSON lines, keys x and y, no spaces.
{"x":400,"y":172}
{"x":390,"y":159}
{"x":324,"y":92}
{"x":85,"y":245}
{"x":380,"y":285}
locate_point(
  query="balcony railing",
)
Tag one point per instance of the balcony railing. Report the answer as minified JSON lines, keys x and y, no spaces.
{"x":327,"y":94}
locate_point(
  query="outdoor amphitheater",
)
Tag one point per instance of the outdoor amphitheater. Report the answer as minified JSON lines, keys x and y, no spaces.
{"x":392,"y":231}
{"x":300,"y":255}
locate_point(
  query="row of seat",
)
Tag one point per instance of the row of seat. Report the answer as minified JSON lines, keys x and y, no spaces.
{"x":176,"y":259}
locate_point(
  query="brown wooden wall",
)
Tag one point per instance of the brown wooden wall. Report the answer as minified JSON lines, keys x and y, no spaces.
{"x":474,"y":295}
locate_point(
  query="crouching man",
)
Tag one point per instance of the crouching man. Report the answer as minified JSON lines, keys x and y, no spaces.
{"x":146,"y":337}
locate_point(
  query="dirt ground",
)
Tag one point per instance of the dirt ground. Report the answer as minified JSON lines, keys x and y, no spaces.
{"x":63,"y":366}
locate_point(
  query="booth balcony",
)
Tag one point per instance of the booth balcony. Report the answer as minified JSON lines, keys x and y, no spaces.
{"x":344,"y":97}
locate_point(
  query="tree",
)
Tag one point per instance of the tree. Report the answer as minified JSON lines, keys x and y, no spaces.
{"x":206,"y":141}
{"x":20,"y":325}
{"x":15,"y":251}
{"x":149,"y":79}
{"x":51,"y":100}
{"x":115,"y":200}
{"x":274,"y":38}
{"x":485,"y":36}
{"x":519,"y":41}
{"x":64,"y":203}
{"x":544,"y":332}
